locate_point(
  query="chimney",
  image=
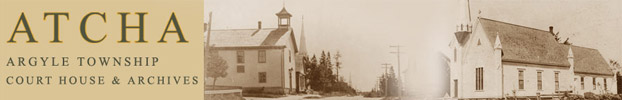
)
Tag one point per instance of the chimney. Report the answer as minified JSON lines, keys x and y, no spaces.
{"x":551,"y":29}
{"x":259,"y":25}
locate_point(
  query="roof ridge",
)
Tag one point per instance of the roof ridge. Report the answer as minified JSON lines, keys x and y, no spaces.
{"x":513,"y":24}
{"x":579,"y":46}
{"x":243,"y":29}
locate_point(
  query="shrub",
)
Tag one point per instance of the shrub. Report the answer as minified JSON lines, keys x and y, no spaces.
{"x":592,"y":96}
{"x":610,"y":96}
{"x":574,"y":97}
{"x":270,"y":92}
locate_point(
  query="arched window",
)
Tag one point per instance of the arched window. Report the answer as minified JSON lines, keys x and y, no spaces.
{"x":455,"y":54}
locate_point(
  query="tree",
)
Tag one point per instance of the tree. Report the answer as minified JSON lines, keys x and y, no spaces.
{"x":306,"y":69}
{"x":388,"y":84}
{"x":614,"y":64}
{"x":325,"y":73}
{"x":311,"y":73}
{"x":319,"y":74}
{"x":559,"y":38}
{"x":216,"y":67}
{"x":337,"y":63}
{"x":616,"y":69}
{"x":328,"y":76}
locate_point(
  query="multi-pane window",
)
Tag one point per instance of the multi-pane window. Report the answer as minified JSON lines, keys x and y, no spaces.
{"x":262,"y":56}
{"x":556,"y":80}
{"x":593,"y":83}
{"x":582,"y":83}
{"x":240,"y":68}
{"x":539,"y":80}
{"x":479,"y":78}
{"x":605,"y":83}
{"x":262,"y":77}
{"x":240,"y":56}
{"x":283,"y":21}
{"x":290,"y":56}
{"x":521,"y":81}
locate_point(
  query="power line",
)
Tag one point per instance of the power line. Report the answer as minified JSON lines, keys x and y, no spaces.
{"x":399,"y":71}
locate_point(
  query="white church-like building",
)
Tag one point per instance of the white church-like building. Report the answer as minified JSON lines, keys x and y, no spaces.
{"x":495,"y":59}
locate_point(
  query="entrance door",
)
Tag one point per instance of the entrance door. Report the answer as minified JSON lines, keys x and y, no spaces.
{"x":298,"y":82}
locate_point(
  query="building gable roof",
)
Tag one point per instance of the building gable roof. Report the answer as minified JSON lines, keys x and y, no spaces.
{"x":249,"y":37}
{"x":524,"y":44}
{"x":590,"y":61}
{"x":534,"y":46}
{"x":274,"y":36}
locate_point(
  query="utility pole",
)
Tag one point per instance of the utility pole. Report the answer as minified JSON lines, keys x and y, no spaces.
{"x":386,"y":79}
{"x":350,"y":79}
{"x":399,"y":71}
{"x":207,"y":27}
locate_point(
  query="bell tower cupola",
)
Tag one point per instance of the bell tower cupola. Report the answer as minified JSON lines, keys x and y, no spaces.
{"x":284,"y":18}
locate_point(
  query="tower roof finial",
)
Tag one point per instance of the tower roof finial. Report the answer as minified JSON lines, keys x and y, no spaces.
{"x":284,"y":13}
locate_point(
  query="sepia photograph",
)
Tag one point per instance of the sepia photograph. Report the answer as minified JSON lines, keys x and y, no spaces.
{"x":412,"y":50}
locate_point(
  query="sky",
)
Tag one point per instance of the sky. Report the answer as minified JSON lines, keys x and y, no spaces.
{"x":363,"y":30}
